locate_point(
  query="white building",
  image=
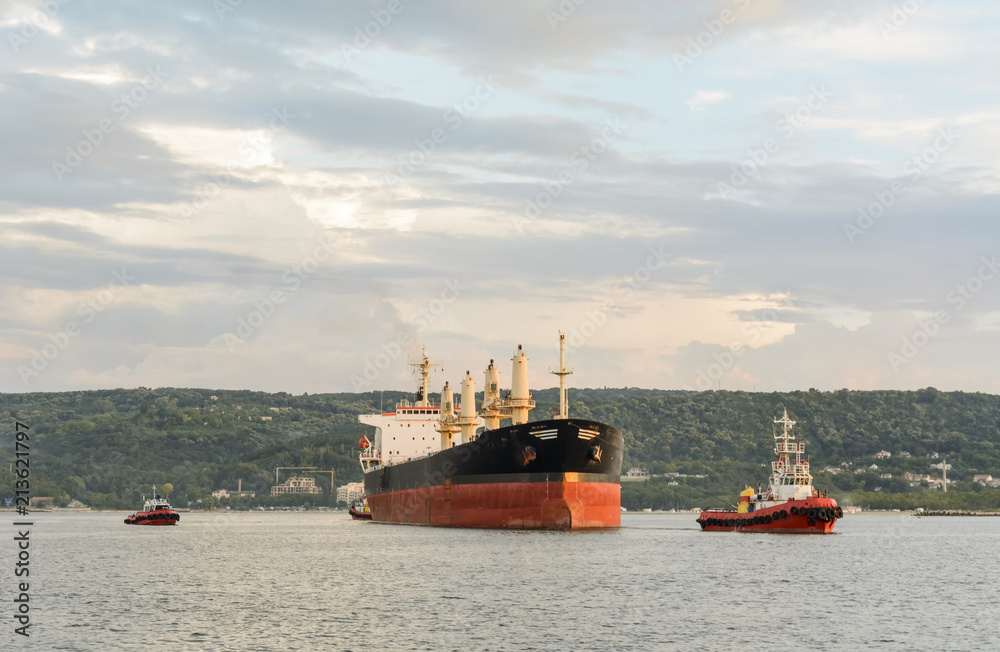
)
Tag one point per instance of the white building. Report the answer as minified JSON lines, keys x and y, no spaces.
{"x":297,"y":485}
{"x":883,"y":455}
{"x":635,"y":474}
{"x":351,"y":492}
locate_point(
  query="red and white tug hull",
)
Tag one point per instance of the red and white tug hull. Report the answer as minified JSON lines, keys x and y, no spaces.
{"x":790,"y":503}
{"x":155,"y":511}
{"x":810,"y":516}
{"x":161,"y":517}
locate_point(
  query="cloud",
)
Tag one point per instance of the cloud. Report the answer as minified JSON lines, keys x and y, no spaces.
{"x":413,"y":175}
{"x":702,"y":99}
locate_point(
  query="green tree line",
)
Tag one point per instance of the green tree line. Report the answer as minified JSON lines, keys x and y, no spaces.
{"x":107,"y":447}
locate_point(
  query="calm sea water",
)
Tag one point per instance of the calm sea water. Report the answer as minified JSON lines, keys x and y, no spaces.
{"x":319,"y":581}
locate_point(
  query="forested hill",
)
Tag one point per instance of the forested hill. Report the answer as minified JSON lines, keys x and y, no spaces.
{"x":107,"y":447}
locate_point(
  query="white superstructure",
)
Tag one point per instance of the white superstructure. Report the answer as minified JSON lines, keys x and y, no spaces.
{"x":419,"y":430}
{"x":790,"y":477}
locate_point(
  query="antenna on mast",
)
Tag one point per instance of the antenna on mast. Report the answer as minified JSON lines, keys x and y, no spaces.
{"x":562,"y":373}
{"x":425,"y":366}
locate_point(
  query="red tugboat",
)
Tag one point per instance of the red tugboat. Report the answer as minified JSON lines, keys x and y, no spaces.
{"x":789,"y":505}
{"x":155,"y":511}
{"x":360,"y":511}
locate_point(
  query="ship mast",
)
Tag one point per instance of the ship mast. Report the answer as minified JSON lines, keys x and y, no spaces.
{"x":424,"y":365}
{"x":562,"y":373}
{"x":790,"y":476}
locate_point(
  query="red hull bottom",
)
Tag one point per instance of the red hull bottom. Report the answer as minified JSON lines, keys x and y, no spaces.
{"x":799,"y":523}
{"x":564,"y":505}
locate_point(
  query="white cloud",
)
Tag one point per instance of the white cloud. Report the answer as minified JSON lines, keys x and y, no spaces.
{"x":702,"y":99}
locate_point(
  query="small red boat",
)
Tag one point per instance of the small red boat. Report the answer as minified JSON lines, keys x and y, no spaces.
{"x":789,"y":505}
{"x":360,"y":511}
{"x":155,"y":511}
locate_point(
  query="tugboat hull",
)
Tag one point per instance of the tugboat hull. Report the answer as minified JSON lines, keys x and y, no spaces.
{"x":810,"y":516}
{"x":156,"y":518}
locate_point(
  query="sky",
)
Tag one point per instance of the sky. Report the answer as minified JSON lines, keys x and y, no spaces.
{"x":759,"y":195}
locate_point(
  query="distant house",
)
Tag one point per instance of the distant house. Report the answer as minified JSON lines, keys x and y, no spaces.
{"x":887,"y":475}
{"x":934,"y":455}
{"x":904,"y":454}
{"x":883,"y":455}
{"x":873,"y":467}
{"x":223,"y":493}
{"x":830,"y":469}
{"x":635,"y":474}
{"x":982,"y":479}
{"x":940,"y":464}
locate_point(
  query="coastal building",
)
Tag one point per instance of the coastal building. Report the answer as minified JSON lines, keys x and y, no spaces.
{"x":297,"y":485}
{"x":225,"y":493}
{"x":351,"y":493}
{"x":635,"y":474}
{"x":883,"y":455}
{"x":983,"y":479}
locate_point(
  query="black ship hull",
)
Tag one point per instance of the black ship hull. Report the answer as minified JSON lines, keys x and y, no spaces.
{"x":555,"y":474}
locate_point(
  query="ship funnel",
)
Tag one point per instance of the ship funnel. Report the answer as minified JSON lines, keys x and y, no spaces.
{"x":467,"y":417}
{"x":491,"y":397}
{"x":447,"y":400}
{"x":520,"y":398}
{"x":446,"y":418}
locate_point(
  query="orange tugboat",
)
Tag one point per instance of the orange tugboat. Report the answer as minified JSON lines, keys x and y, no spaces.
{"x":789,"y":505}
{"x":155,"y":511}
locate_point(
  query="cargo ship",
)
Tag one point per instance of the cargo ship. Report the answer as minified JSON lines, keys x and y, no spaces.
{"x":442,"y":466}
{"x":155,"y":511}
{"x":790,"y":504}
